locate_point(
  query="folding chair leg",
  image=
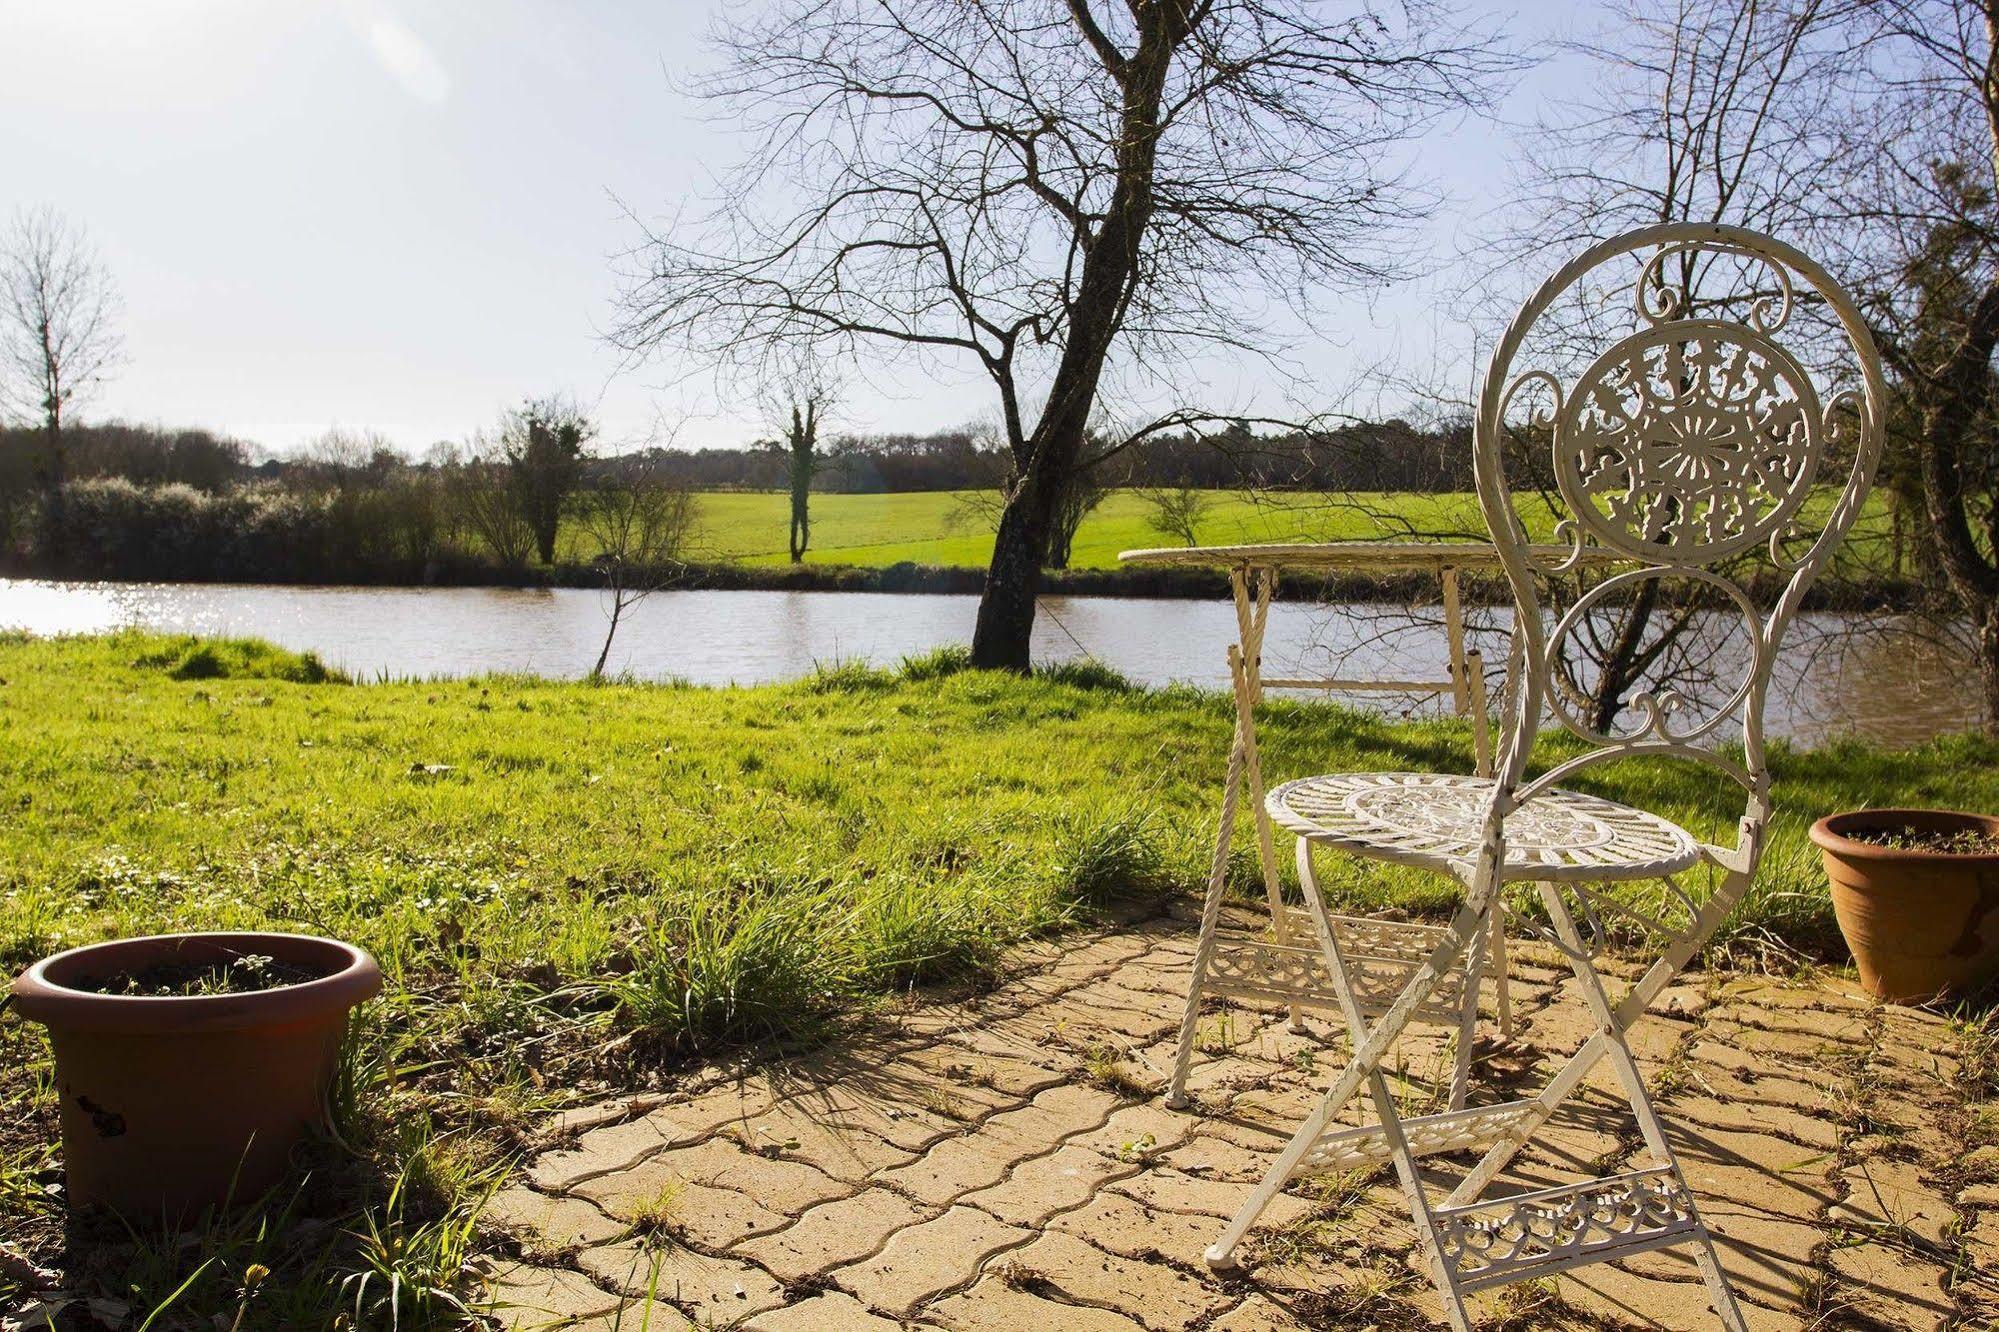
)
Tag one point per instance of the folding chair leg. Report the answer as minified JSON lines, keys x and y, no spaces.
{"x":1468,"y":1014}
{"x":1657,"y":977}
{"x":1466,"y":1019}
{"x":1385,"y":1112}
{"x":1633,"y":1082}
{"x":1419,"y":1203}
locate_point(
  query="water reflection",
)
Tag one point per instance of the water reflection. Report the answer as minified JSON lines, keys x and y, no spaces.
{"x":1831,"y":679}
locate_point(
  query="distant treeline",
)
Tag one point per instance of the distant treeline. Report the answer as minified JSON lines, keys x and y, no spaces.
{"x":1391,"y":455}
{"x":142,"y":502}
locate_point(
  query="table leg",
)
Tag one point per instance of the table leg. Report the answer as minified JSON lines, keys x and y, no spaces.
{"x":1251,"y":613}
{"x":1211,"y":910}
{"x":1252,"y":617}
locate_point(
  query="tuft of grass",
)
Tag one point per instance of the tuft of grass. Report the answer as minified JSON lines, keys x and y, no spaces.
{"x":415,"y":1269}
{"x":1116,"y":854}
{"x":1381,"y":1297}
{"x":186,"y":657}
{"x":1218,"y":1039}
{"x":1086,"y":673}
{"x":1532,"y":1306}
{"x":713,"y":971}
{"x":906,"y":931}
{"x":1104,"y":1067}
{"x":848,"y":677}
{"x":937,"y":664}
{"x":655,"y":1214}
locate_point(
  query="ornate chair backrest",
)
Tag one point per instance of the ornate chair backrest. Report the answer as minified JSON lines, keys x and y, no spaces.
{"x":1689,"y":442}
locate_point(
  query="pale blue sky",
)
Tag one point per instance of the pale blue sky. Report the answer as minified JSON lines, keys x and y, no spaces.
{"x":399,"y":215}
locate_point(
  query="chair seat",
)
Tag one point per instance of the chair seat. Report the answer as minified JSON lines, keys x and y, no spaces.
{"x":1434,"y":820}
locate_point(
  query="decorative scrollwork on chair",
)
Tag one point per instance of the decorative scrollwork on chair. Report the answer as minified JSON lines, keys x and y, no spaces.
{"x":1688,"y":442}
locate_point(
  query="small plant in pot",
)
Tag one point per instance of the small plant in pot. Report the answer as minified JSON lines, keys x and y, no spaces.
{"x":1916,"y":892}
{"x":190,"y":1065}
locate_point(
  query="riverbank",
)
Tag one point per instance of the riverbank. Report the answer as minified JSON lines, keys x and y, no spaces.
{"x":1862,"y":674}
{"x":922,"y":543}
{"x":574,"y":889}
{"x":1835,"y":593}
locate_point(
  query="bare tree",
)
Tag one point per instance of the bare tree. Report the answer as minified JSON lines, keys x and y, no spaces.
{"x":805,"y":393}
{"x":1178,"y":512}
{"x":344,"y":460}
{"x":543,"y":443}
{"x":1916,"y":214}
{"x":1057,"y":194}
{"x":484,"y":503}
{"x":1079,"y":497}
{"x":1697,"y":111}
{"x":639,"y":520}
{"x":58,"y":333}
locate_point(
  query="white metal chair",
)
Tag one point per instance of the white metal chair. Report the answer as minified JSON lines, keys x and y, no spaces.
{"x":1690,"y":442}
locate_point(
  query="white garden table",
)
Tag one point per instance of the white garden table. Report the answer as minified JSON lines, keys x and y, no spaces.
{"x":1277,"y":969}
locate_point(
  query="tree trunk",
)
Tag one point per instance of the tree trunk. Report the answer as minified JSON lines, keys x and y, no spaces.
{"x":610,"y":633}
{"x":804,"y":441}
{"x":1047,"y":459}
{"x":55,"y":476}
{"x":1620,"y":667}
{"x":1954,"y":397}
{"x":801,"y":521}
{"x":1002,"y":638}
{"x":1987,"y":650}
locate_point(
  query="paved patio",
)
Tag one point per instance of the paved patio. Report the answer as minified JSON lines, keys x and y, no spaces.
{"x":1003,"y":1162}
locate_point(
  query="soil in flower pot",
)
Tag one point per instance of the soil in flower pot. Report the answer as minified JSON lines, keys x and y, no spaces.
{"x":1916,"y":892}
{"x":190,"y":1066}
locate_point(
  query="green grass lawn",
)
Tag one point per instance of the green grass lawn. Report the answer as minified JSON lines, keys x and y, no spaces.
{"x":572,"y":888}
{"x":935,"y":528}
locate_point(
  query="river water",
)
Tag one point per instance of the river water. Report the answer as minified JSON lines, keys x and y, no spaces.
{"x":1831,"y":679}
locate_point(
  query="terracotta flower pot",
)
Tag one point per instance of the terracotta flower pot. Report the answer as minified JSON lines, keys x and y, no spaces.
{"x":170,"y":1104}
{"x":1921,"y":924}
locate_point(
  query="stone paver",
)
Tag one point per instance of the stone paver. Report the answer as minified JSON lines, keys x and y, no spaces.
{"x":929,"y":1258}
{"x":1046,"y":1186}
{"x":843,"y":1231}
{"x":551,"y":1224}
{"x":713,"y":1291}
{"x":1156,"y":1295}
{"x":716,"y":1217}
{"x":525,"y":1296}
{"x":831,"y":1312}
{"x":998,"y":1305}
{"x":957,"y":1167}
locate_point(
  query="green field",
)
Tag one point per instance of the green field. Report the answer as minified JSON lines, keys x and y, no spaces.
{"x":935,"y":528}
{"x":575,"y":888}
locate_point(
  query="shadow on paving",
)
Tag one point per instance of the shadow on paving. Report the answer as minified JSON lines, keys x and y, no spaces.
{"x":1002,"y":1161}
